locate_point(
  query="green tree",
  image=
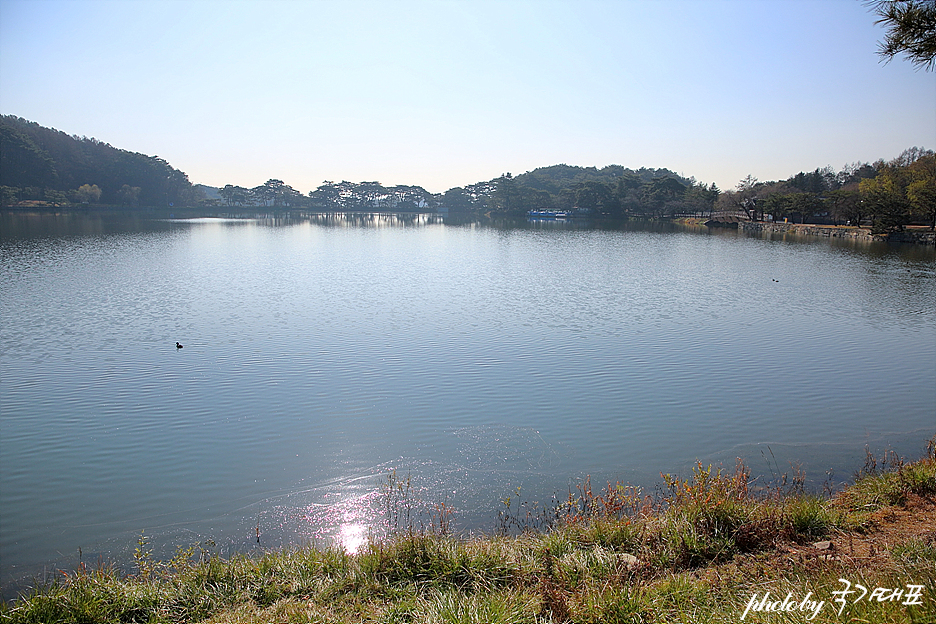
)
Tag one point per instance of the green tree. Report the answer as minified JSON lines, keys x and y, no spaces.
{"x":806,"y":205}
{"x":457,"y":201}
{"x":266,"y":192}
{"x":701,"y":197}
{"x":506,"y":191}
{"x":9,"y":195}
{"x":817,"y":181}
{"x":886,"y":201}
{"x":594,"y":196}
{"x":325,"y":197}
{"x":230,"y":194}
{"x":22,"y":161}
{"x":903,"y":191}
{"x":847,"y":206}
{"x":779,"y":205}
{"x":128,"y":195}
{"x":370,"y":195}
{"x":88,"y":194}
{"x":911,"y":30}
{"x":627,"y":193}
{"x":55,"y":198}
{"x":921,"y":188}
{"x":535,"y":199}
{"x":664,"y":194}
{"x":278,"y":193}
{"x":406,"y":198}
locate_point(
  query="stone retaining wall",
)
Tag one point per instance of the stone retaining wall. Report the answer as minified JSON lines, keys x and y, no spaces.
{"x":862,"y":234}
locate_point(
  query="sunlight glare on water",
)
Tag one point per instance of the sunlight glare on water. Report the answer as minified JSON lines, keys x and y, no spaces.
{"x":352,"y":536}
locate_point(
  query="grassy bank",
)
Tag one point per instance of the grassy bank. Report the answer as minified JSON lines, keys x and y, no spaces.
{"x":708,"y":548}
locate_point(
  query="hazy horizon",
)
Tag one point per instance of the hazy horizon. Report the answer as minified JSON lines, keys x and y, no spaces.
{"x":444,"y":94}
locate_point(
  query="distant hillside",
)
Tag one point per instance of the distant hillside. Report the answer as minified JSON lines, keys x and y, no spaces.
{"x":44,"y":164}
{"x":209,"y":192}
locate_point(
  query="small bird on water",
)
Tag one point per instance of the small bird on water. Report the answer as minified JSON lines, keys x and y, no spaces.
{"x":178,"y":346}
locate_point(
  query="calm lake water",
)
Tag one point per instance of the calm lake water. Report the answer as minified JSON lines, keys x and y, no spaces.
{"x":320,"y":354}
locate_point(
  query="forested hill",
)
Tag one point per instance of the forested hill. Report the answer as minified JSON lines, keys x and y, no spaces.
{"x":555,"y":178}
{"x":44,"y":164}
{"x":45,"y":167}
{"x":611,"y":191}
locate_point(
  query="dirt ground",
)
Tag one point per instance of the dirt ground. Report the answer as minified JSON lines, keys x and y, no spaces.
{"x":890,"y":526}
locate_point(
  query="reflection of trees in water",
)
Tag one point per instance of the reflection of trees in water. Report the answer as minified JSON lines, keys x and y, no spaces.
{"x":372,"y":219}
{"x":327,"y":219}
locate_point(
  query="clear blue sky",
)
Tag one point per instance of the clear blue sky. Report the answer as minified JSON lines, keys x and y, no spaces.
{"x":446,"y":93}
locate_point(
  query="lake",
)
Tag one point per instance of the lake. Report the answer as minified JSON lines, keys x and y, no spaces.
{"x":322,"y":353}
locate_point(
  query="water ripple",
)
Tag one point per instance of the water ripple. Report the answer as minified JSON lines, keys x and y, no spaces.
{"x":316,"y":359}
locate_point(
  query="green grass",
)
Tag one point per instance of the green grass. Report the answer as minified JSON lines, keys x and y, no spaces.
{"x":875,"y":489}
{"x":696,"y":552}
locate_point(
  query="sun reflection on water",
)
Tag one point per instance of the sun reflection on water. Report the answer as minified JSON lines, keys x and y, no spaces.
{"x":349,"y":523}
{"x":352,"y":537}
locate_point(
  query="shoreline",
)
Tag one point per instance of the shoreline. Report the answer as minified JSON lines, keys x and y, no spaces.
{"x":706,"y":549}
{"x":915,"y":235}
{"x":918,"y":235}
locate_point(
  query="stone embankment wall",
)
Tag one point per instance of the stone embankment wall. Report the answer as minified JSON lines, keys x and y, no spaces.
{"x":862,"y":234}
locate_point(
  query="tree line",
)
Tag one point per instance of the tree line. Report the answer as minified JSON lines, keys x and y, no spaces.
{"x":46,"y":167}
{"x":884,"y":195}
{"x":611,"y":191}
{"x":333,"y":197}
{"x":43,"y":166}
